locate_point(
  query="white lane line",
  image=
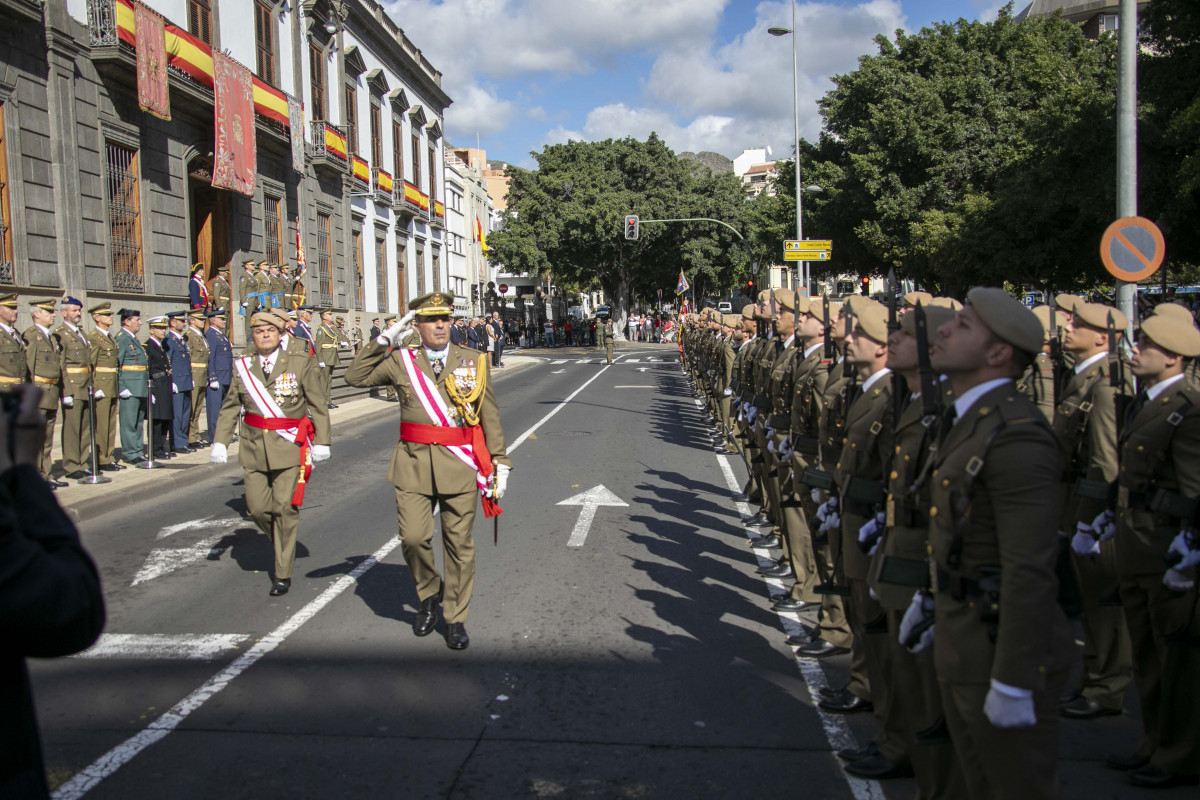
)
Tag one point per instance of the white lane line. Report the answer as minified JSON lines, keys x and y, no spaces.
{"x":87,"y":779}
{"x":185,"y":646}
{"x":837,"y":732}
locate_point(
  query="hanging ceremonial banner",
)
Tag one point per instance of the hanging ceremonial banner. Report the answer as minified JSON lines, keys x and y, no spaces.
{"x":296,"y":129}
{"x":154,"y":95}
{"x":233,"y":117}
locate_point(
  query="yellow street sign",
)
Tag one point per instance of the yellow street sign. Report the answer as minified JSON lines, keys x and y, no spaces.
{"x":806,"y":255}
{"x":790,"y":245}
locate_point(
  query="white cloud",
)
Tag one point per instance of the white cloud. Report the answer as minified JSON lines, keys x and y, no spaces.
{"x":536,"y":113}
{"x":478,"y":110}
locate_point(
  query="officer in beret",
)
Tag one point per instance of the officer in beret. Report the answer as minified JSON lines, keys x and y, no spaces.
{"x":76,"y":354}
{"x":133,"y":386}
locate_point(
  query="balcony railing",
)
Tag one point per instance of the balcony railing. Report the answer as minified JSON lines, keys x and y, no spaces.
{"x":328,"y":147}
{"x":360,"y":173}
{"x":381,"y":181}
{"x":102,"y":22}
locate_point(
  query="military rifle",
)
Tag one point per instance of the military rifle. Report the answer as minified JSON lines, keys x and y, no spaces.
{"x":893,"y":326}
{"x":828,"y":330}
{"x":931,"y":395}
{"x":1116,"y":374}
{"x":847,"y":369}
{"x":1056,"y":356}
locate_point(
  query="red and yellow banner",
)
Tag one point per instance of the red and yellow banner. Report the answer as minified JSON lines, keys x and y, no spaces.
{"x":187,"y":53}
{"x":362,"y":170}
{"x":415,"y":196}
{"x":439,"y":209}
{"x":383,"y":181}
{"x":335,"y":143}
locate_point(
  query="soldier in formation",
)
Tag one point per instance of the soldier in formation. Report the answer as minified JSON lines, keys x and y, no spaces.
{"x":946,"y":485}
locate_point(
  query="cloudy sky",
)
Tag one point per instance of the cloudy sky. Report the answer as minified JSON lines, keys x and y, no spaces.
{"x":704,"y":74}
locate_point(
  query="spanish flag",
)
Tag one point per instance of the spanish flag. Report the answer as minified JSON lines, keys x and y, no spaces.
{"x":479,"y":237}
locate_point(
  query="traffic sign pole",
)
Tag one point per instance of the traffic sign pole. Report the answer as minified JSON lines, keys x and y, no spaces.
{"x":1127,"y":169}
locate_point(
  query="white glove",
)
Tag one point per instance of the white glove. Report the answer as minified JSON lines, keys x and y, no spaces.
{"x":321,"y":364}
{"x":392,"y":334}
{"x":827,"y":508}
{"x":918,"y":615}
{"x":243,"y":305}
{"x":1084,"y":542}
{"x":771,"y":446}
{"x":1009,"y":707}
{"x":1178,"y":581}
{"x":785,"y":450}
{"x":218,"y":453}
{"x":98,"y":394}
{"x":1105,"y":525}
{"x":769,"y":431}
{"x":501,"y":479}
{"x":816,"y":495}
{"x":68,"y":401}
{"x":751,"y":414}
{"x":1187,"y":546}
{"x":833,"y":521}
{"x":727,"y":393}
{"x":214,"y":385}
{"x":319,"y":453}
{"x":174,"y":389}
{"x":125,"y":394}
{"x":871,"y":533}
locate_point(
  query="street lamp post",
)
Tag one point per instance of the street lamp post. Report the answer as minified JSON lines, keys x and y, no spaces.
{"x":802,"y":267}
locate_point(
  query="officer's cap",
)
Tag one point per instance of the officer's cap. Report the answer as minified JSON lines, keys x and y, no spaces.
{"x":945,"y":302}
{"x":935,"y":317}
{"x":67,"y":300}
{"x":224,"y":268}
{"x":44,"y":305}
{"x":266,"y":318}
{"x":126,"y":313}
{"x":157,"y":322}
{"x":217,"y":312}
{"x":1095,"y":315}
{"x":434,"y":304}
{"x":247,"y":263}
{"x":1007,"y":318}
{"x":176,"y":314}
{"x":264,"y":264}
{"x":912,"y":298}
{"x":873,"y":322}
{"x":1173,"y":335}
{"x":1175,"y":310}
{"x":196,"y":313}
{"x":9,"y":300}
{"x":1067,"y":302}
{"x":103,"y":309}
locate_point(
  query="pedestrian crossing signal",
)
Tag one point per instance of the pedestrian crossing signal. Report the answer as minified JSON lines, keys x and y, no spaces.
{"x":631,"y":226}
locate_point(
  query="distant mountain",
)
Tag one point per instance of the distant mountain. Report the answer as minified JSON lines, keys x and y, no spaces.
{"x":714,"y":161}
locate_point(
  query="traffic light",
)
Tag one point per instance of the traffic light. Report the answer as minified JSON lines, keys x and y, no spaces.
{"x":865,"y":288}
{"x":631,"y":226}
{"x":750,"y":287}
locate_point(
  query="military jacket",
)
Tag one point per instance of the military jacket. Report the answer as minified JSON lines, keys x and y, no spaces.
{"x":75,"y":353}
{"x":808,"y":382}
{"x":422,"y":467}
{"x":993,"y":524}
{"x":45,"y":365}
{"x":780,"y":388}
{"x":221,"y":293}
{"x":220,"y":357}
{"x":133,"y":364}
{"x":198,"y":355}
{"x":262,"y":285}
{"x":725,"y":360}
{"x":104,"y":362}
{"x":279,"y":289}
{"x":13,"y":365}
{"x":248,"y":290}
{"x":325,"y":340}
{"x":1160,"y":452}
{"x":295,"y":384}
{"x":859,"y":469}
{"x":177,"y":351}
{"x":1085,"y":424}
{"x":161,"y":407}
{"x":833,"y":413}
{"x":1038,"y":384}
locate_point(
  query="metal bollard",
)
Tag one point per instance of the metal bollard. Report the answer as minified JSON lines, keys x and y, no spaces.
{"x":95,"y":477}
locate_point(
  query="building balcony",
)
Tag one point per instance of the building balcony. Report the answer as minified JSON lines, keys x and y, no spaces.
{"x":384,"y":187}
{"x":411,"y":202}
{"x":328,"y":148}
{"x":360,"y":174}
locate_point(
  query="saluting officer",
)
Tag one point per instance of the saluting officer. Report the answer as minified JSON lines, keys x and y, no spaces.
{"x":76,"y":355}
{"x":45,"y":368}
{"x":104,"y":351}
{"x":13,"y":367}
{"x":221,"y":293}
{"x":198,"y":355}
{"x":451,"y":448}
{"x":133,"y":386}
{"x":284,"y":431}
{"x":1002,"y":644}
{"x":1156,"y":525}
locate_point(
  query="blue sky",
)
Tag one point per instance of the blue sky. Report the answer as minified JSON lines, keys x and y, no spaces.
{"x":703,"y":74}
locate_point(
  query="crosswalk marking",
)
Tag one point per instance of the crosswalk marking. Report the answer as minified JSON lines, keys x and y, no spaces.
{"x":559,"y":361}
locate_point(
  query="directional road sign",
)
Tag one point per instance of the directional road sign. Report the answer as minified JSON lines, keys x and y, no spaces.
{"x":1132,"y":249}
{"x":790,"y":245}
{"x":806,"y":255}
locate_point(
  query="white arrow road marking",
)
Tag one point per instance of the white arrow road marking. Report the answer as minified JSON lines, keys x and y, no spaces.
{"x":186,"y":646}
{"x":632,"y":360}
{"x":165,"y":560}
{"x":204,"y":522}
{"x":642,"y":369}
{"x":559,"y":361}
{"x":584,"y":361}
{"x":558,"y":372}
{"x":589,"y":500}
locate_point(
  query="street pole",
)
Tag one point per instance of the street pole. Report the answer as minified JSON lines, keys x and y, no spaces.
{"x":1127,"y":168}
{"x":801,"y":267}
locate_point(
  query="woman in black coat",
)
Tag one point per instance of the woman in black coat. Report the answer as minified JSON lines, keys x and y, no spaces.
{"x":161,"y":410}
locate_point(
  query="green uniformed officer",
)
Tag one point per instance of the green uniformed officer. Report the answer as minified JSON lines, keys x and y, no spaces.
{"x":278,"y":287}
{"x":133,"y":386}
{"x":1157,"y":493}
{"x":45,"y":368}
{"x":289,"y":288}
{"x":1002,"y":645}
{"x":104,"y":371}
{"x":776,"y":420}
{"x":75,"y":353}
{"x":325,"y":342}
{"x":198,"y":355}
{"x":446,"y":399}
{"x":13,"y":367}
{"x":280,"y":393}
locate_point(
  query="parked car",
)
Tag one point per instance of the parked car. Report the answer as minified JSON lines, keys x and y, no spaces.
{"x":725,"y":307}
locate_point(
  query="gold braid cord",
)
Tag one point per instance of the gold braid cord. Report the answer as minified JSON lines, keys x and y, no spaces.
{"x":465,"y":403}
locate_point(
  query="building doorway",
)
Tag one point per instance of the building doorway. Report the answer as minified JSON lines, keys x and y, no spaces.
{"x":210,"y":219}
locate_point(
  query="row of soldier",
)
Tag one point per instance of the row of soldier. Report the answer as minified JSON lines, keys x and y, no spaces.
{"x":171,"y":379}
{"x":948,"y":486}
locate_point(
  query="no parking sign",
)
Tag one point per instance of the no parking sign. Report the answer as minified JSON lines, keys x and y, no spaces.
{"x":1132,"y":249}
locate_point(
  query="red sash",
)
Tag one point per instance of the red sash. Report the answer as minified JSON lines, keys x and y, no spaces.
{"x":417,"y":433}
{"x":305,"y":432}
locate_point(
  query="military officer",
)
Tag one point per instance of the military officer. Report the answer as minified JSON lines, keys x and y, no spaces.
{"x":723,"y":372}
{"x":161,"y":388}
{"x":262,"y":282}
{"x":104,"y":351}
{"x":1085,"y":423}
{"x":289,"y":288}
{"x":220,"y":368}
{"x":45,"y":368}
{"x":133,"y":386}
{"x":198,"y":294}
{"x":446,"y":401}
{"x":1038,"y":381}
{"x":604,"y":337}
{"x":197,"y":345}
{"x":222,"y":293}
{"x":298,"y":287}
{"x":1181,"y":312}
{"x":76,"y":355}
{"x":1155,"y":526}
{"x":279,"y":287}
{"x":1002,"y":645}
{"x":248,"y":292}
{"x":13,"y":367}
{"x":176,"y":348}
{"x":279,"y":441}
{"x":325,"y":342}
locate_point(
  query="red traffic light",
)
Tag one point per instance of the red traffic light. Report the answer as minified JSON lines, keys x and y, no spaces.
{"x":750,"y":284}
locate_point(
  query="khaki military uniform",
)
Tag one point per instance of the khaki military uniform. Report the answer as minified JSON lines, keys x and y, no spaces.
{"x":45,"y":368}
{"x":279,"y":290}
{"x":198,"y":354}
{"x":1160,"y":451}
{"x":325,"y":341}
{"x":13,"y":366}
{"x":993,"y":523}
{"x":271,"y":462}
{"x":221,"y":294}
{"x":833,"y":625}
{"x":808,"y":381}
{"x":248,"y":292}
{"x":1038,"y":385}
{"x":425,"y":473}
{"x":75,"y":354}
{"x":104,"y":370}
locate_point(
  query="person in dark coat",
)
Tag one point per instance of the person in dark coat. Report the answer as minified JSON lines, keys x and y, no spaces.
{"x":177,"y":350}
{"x":220,"y":368}
{"x":474,"y":338}
{"x":375,"y":330}
{"x":456,"y":334}
{"x":161,"y":406}
{"x":50,"y":599}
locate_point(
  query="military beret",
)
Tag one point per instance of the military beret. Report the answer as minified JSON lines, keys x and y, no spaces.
{"x":1095,"y":315}
{"x":945,"y":302}
{"x":261,"y":318}
{"x":9,"y":300}
{"x":1043,"y":316}
{"x":935,"y":317}
{"x":1007,"y":318}
{"x":764,"y":296}
{"x":1173,"y":335}
{"x":67,"y":300}
{"x":873,"y":322}
{"x":1067,"y":302}
{"x":434,"y":304}
{"x":101,"y":308}
{"x":280,"y":313}
{"x":1175,"y":310}
{"x":786,"y":299}
{"x":748,"y":311}
{"x":912,"y":298}
{"x":857,"y":303}
{"x":731,"y":320}
{"x":834,"y":310}
{"x":126,"y":313}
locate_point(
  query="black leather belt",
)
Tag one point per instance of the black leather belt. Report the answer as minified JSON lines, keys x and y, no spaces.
{"x":817,"y":479}
{"x":762,"y":402}
{"x":899,"y":571}
{"x":780,"y":422}
{"x":805,"y":445}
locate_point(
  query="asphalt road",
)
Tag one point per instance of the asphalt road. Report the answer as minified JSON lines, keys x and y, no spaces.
{"x":635,"y":657}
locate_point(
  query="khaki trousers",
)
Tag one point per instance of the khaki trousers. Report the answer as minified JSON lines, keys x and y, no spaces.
{"x":1107,"y":656}
{"x":1005,"y":764}
{"x":414,"y":511}
{"x":199,"y":390}
{"x":106,"y":430}
{"x":76,"y":435}
{"x":871,"y":654}
{"x":796,"y":514}
{"x":46,"y":462}
{"x":269,"y":501}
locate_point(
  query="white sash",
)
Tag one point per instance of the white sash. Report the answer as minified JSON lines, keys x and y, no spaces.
{"x":266,"y":405}
{"x":435,"y":407}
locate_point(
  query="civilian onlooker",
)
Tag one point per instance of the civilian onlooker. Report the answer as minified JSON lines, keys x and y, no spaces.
{"x":50,"y":598}
{"x":495,"y":331}
{"x":472,"y":332}
{"x":567,"y":332}
{"x":548,"y":327}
